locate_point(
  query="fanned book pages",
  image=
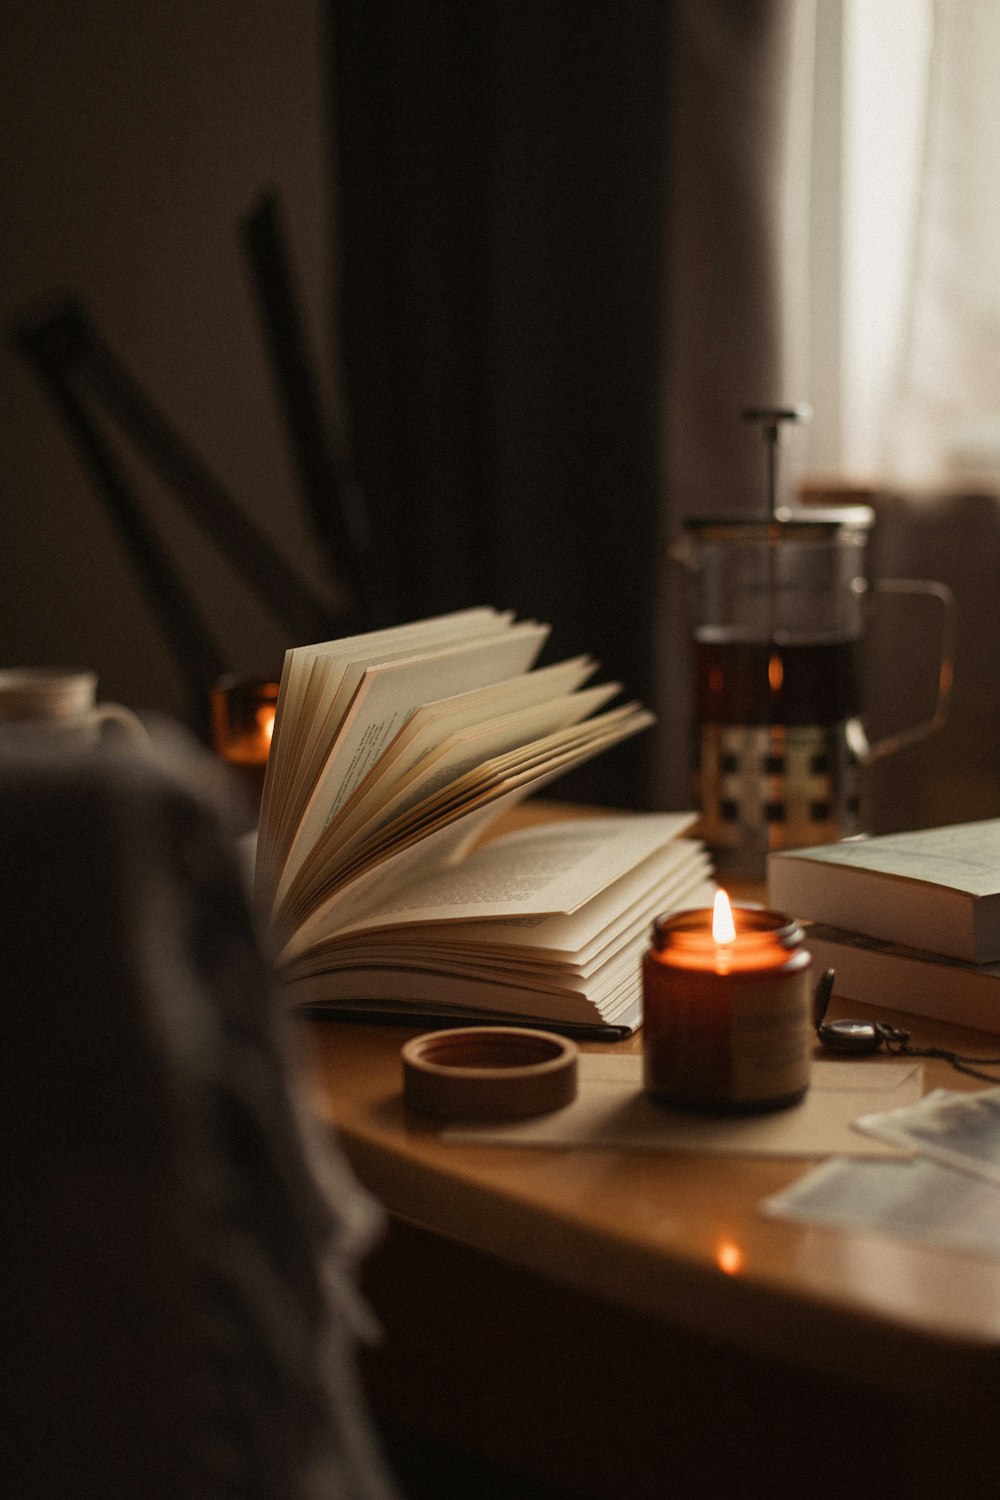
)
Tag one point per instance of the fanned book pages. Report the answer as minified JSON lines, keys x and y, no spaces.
{"x":393,"y":753}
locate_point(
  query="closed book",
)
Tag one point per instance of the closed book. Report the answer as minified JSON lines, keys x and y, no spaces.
{"x":893,"y":977}
{"x":936,"y":889}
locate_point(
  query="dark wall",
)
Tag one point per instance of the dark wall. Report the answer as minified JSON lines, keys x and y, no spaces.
{"x":133,"y":138}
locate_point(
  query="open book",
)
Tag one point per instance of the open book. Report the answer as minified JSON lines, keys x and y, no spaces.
{"x":392,"y":754}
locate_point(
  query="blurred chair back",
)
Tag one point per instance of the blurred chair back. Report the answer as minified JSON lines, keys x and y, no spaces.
{"x":179,"y":1293}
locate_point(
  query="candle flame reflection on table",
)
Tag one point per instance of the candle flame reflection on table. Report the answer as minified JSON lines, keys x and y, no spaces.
{"x":729,"y":1257}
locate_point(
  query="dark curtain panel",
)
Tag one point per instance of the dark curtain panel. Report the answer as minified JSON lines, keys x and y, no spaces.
{"x":499,"y":173}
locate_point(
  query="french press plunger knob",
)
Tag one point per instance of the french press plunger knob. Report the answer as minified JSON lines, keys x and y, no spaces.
{"x":771,"y":419}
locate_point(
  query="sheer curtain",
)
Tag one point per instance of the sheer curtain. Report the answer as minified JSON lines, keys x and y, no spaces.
{"x":944,"y":415}
{"x":904,"y":348}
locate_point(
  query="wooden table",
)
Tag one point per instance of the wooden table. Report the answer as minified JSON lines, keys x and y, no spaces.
{"x":628,"y":1324}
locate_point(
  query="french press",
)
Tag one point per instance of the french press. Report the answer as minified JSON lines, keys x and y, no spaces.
{"x":779,"y":604}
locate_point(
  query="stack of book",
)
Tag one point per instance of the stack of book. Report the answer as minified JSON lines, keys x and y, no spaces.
{"x":393,"y":753}
{"x":909,"y":921}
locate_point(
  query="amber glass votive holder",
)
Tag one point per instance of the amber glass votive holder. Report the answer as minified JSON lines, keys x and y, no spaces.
{"x":727,"y":1025}
{"x":243,"y":713}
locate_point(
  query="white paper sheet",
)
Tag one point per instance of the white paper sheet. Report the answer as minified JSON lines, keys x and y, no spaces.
{"x":918,"y":1199}
{"x":959,"y":1130}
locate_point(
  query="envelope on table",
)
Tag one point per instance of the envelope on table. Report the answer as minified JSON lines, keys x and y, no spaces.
{"x":612,"y":1112}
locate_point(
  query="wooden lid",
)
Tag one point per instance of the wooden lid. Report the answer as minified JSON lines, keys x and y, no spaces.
{"x":488,"y":1072}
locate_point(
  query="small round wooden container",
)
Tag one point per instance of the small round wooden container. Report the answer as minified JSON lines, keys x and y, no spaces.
{"x":488,"y":1072}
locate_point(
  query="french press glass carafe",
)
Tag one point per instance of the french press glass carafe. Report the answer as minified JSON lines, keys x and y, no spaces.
{"x":779,"y":608}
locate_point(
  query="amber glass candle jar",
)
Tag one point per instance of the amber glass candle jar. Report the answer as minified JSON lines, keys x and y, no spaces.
{"x":243,"y":713}
{"x":726,"y":1018}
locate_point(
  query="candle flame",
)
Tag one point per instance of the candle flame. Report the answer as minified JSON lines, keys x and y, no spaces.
{"x":775,"y":672}
{"x":265,"y":723}
{"x":723,"y":926}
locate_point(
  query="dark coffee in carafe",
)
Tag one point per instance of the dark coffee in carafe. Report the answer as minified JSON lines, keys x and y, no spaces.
{"x":762,"y":682}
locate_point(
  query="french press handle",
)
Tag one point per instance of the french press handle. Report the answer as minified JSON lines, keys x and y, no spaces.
{"x":942,"y":597}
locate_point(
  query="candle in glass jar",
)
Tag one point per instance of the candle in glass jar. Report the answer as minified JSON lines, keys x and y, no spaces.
{"x":243,"y":714}
{"x":726,"y":1010}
